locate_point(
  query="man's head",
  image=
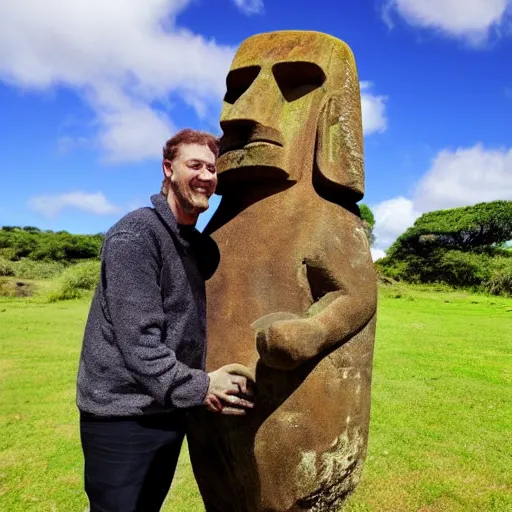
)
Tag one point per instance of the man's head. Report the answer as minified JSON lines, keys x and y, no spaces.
{"x":190,"y":174}
{"x":292,"y":102}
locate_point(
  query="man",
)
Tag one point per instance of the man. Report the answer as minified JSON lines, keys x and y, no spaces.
{"x":143,"y":355}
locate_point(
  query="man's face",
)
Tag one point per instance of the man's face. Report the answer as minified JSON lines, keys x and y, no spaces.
{"x":192,"y":176}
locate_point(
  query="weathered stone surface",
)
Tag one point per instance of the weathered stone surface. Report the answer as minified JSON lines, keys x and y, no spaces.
{"x":294,"y":298}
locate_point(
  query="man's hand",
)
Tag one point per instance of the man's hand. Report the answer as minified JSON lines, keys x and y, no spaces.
{"x":225,"y":384}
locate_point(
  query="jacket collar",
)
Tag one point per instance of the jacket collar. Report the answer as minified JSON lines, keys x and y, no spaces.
{"x":207,"y":250}
{"x":164,"y":211}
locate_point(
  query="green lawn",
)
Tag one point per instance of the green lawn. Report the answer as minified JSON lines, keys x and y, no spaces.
{"x":441,"y":431}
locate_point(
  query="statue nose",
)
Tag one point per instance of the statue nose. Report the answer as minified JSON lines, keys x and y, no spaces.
{"x":259,"y":106}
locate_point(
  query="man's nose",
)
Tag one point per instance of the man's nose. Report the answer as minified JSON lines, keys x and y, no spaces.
{"x":207,"y":175}
{"x":260,"y":105}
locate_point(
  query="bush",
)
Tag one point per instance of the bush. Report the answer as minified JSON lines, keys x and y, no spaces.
{"x":6,"y":267}
{"x":29,"y":242}
{"x":29,"y":269}
{"x":500,"y":279}
{"x":396,"y":270}
{"x":8,"y":253}
{"x":464,"y":268}
{"x":76,"y":280}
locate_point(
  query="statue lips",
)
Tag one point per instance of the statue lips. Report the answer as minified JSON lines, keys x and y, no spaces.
{"x":257,"y":149}
{"x":234,"y":146}
{"x":239,"y":135}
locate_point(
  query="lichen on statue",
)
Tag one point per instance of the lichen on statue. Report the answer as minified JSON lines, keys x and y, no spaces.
{"x":294,"y":298}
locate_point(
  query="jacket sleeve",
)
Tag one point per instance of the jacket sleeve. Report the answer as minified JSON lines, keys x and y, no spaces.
{"x":131,"y":280}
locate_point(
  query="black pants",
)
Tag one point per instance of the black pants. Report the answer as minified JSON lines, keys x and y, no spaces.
{"x":130,"y":462}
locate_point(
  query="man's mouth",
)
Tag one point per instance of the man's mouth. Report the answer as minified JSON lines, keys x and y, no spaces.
{"x":202,"y":190}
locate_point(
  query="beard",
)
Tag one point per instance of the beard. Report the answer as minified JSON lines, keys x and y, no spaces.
{"x":191,"y":201}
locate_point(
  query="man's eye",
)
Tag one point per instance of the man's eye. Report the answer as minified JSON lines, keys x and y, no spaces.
{"x":195,"y":165}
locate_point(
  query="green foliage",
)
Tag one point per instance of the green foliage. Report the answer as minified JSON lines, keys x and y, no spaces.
{"x":31,"y":229}
{"x":6,"y":267}
{"x":367,"y":215}
{"x":368,"y":221}
{"x":31,"y":269}
{"x":467,"y":228}
{"x":499,"y":281}
{"x":462,"y":268}
{"x":461,"y":247}
{"x":76,"y":280}
{"x":30,"y":242}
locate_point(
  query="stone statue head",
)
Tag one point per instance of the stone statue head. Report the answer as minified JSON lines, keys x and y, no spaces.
{"x":293,"y":104}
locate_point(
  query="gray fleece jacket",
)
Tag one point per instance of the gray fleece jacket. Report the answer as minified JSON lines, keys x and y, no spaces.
{"x":144,"y":346}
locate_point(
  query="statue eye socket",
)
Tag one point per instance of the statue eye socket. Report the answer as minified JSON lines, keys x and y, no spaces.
{"x":296,"y":79}
{"x":238,"y":81}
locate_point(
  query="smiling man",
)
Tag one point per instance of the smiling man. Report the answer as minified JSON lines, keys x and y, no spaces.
{"x":143,"y":354}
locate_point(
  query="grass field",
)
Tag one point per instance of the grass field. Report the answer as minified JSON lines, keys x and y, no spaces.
{"x":441,"y":431}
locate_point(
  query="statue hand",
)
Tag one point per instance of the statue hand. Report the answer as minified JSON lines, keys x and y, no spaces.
{"x":285,"y":344}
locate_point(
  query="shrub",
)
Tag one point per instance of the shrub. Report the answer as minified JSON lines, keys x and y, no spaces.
{"x":8,"y":253}
{"x":29,"y":242}
{"x":500,"y":279}
{"x":6,"y":267}
{"x":393,"y":269}
{"x":463,"y":268}
{"x":30,"y":269}
{"x":76,"y":280}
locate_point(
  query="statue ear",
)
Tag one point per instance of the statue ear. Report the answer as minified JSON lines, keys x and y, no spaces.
{"x":339,"y":145}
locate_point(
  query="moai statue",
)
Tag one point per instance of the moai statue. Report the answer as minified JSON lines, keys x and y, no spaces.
{"x":294,"y":297}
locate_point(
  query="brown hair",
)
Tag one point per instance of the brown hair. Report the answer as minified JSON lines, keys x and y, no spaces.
{"x":187,"y":136}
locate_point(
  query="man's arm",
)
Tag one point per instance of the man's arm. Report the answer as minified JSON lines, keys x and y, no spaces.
{"x":131,"y":281}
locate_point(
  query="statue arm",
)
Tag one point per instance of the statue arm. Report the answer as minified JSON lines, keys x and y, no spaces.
{"x":344,"y":290}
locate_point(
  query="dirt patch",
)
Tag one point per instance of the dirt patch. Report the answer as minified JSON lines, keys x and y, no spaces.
{"x":16,"y":288}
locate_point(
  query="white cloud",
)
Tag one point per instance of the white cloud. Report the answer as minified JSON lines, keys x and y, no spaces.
{"x":463,"y":177}
{"x":250,"y":6}
{"x":51,"y":206}
{"x":374,"y":110}
{"x":392,"y":218}
{"x":133,"y":131}
{"x":377,"y":254}
{"x":125,"y":63}
{"x":122,"y":60}
{"x":471,"y":20}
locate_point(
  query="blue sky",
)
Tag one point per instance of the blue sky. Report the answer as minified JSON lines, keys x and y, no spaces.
{"x":90,"y":90}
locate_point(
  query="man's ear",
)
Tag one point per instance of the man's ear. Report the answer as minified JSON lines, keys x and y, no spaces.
{"x":167,"y":168}
{"x":339,"y":144}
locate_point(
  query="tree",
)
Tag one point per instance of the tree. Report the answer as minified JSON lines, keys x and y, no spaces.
{"x":31,"y":229}
{"x":30,"y":242}
{"x":368,"y":220}
{"x":460,"y":246}
{"x":464,"y":229}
